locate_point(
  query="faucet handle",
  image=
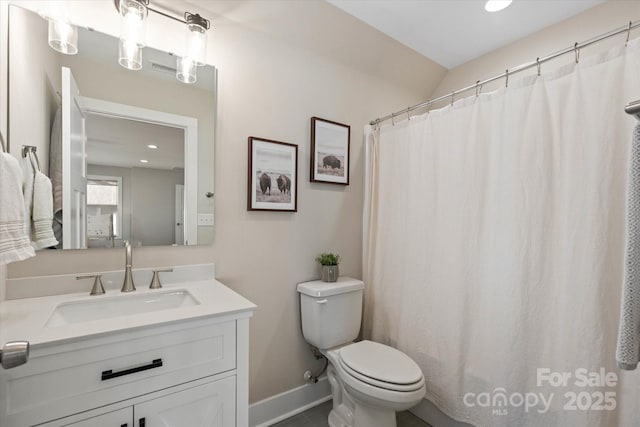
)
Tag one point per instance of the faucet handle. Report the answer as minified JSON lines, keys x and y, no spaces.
{"x":97,"y":289}
{"x":155,"y":280}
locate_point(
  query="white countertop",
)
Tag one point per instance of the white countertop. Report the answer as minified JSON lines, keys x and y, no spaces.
{"x":25,"y":319}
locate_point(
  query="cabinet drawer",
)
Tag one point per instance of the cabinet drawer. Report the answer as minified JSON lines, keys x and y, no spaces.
{"x":71,"y":379}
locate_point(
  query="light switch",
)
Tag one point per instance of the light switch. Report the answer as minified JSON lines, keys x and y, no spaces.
{"x":205,"y":219}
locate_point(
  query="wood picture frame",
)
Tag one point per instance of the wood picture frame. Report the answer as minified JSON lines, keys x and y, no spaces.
{"x":330,"y":144}
{"x":272,"y":176}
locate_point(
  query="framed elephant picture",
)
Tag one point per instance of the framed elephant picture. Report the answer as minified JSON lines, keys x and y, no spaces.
{"x":273,"y":176}
{"x":329,"y":151}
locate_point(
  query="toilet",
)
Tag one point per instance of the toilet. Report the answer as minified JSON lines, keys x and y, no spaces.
{"x":369,"y":381}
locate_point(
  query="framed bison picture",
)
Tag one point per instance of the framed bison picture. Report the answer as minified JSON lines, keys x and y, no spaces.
{"x":273,"y":176}
{"x":329,"y":151}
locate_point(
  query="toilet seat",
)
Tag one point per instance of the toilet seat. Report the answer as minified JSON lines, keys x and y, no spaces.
{"x":381,"y":366}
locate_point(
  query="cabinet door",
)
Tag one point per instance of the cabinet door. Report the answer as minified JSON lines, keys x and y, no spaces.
{"x":208,"y":405}
{"x":121,"y":418}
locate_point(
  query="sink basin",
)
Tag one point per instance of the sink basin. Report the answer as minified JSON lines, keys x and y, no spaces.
{"x":101,"y":308}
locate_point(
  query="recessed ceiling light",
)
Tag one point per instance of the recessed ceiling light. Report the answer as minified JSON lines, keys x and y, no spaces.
{"x":152,"y":146}
{"x":144,"y":161}
{"x":496,"y":5}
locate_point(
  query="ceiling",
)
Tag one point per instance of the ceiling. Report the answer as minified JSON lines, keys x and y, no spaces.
{"x":114,"y":141}
{"x":452,"y":32}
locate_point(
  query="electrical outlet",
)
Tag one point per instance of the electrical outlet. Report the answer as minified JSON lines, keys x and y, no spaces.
{"x":205,"y":220}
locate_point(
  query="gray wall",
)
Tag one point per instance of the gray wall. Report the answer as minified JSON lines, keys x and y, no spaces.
{"x":153,"y":205}
{"x":148,"y":205}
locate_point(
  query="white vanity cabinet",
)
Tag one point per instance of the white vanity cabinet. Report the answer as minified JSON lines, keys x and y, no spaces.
{"x":120,"y":418}
{"x":186,"y":367}
{"x":209,"y":405}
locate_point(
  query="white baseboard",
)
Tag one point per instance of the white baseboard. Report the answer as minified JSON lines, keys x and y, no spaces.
{"x":289,"y":403}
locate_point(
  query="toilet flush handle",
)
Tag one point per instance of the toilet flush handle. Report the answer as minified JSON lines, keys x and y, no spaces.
{"x":321,"y":301}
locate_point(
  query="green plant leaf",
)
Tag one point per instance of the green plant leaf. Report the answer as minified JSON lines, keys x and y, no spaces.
{"x":327,"y":258}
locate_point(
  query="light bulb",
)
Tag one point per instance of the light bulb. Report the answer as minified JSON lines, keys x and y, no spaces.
{"x":129,"y":55}
{"x":186,"y":70}
{"x":63,"y":37}
{"x":496,"y":5}
{"x":197,"y":44}
{"x":133,"y":22}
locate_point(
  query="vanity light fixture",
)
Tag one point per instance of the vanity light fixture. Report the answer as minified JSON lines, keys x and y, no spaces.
{"x":196,"y":49}
{"x":63,"y":36}
{"x":133,"y":15}
{"x":496,"y":5}
{"x":197,"y":28}
{"x":133,"y":23}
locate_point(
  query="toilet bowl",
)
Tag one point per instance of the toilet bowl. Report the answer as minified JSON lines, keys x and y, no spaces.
{"x":369,"y":381}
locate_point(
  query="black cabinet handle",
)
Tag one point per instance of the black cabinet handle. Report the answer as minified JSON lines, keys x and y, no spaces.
{"x":107,"y":375}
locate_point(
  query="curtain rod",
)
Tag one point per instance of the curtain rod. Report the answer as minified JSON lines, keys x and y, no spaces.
{"x":508,"y":72}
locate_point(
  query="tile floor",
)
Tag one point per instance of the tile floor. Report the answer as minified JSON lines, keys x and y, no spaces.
{"x":317,"y":417}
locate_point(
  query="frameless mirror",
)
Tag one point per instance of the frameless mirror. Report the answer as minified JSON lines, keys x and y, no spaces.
{"x":129,"y":153}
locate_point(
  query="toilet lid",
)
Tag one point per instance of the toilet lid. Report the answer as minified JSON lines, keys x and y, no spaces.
{"x":381,"y":362}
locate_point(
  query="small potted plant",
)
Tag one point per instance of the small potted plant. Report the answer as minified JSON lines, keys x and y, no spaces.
{"x":329,"y":263}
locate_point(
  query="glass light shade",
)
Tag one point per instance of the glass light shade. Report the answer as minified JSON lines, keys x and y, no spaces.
{"x":186,"y":70}
{"x":129,"y":55}
{"x":197,"y":44}
{"x":133,"y":22}
{"x":63,"y":37}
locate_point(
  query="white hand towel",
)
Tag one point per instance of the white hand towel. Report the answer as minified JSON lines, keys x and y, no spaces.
{"x":628,"y":351}
{"x":42,"y":214}
{"x":14,"y":243}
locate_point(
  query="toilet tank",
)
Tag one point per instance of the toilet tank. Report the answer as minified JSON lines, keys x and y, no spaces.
{"x":331,"y":312}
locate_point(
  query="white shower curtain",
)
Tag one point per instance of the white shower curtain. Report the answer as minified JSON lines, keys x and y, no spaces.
{"x":494,"y":241}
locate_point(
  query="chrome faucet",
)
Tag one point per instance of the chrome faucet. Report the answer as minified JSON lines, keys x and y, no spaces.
{"x":127,"y":285}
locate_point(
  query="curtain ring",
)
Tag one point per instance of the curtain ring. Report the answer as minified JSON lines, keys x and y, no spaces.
{"x":453,"y":94}
{"x":538,"y":65}
{"x":506,"y":80}
{"x":477,"y":87}
{"x":577,"y":51}
{"x":393,"y":115}
{"x":408,"y":113}
{"x":628,"y":34}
